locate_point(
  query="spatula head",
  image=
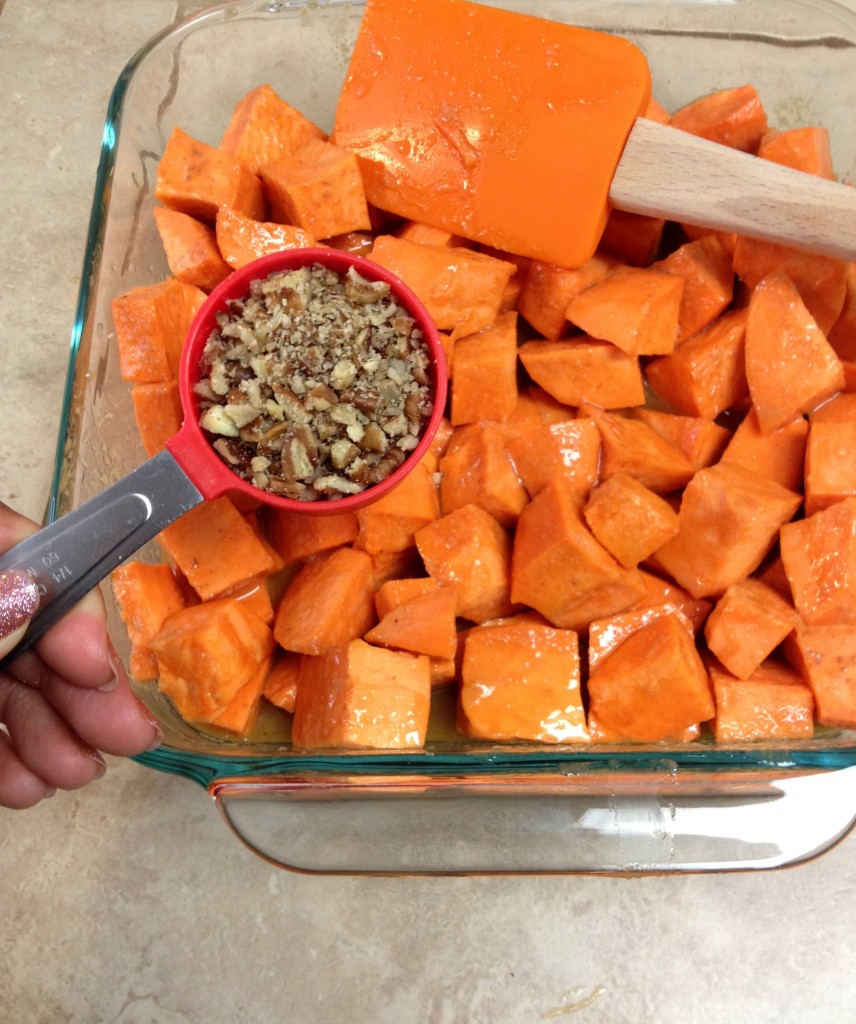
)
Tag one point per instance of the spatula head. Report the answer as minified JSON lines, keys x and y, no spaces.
{"x":498,"y":126}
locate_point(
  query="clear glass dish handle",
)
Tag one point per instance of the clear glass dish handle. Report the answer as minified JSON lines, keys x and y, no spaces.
{"x":630,"y":823}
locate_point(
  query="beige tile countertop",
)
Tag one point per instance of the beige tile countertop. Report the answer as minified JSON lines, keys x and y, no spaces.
{"x":130,"y":902}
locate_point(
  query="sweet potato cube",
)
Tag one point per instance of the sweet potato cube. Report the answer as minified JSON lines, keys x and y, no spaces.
{"x":569,"y":449}
{"x":393,"y":565}
{"x":425,"y":234}
{"x":661,"y":591}
{"x":732,"y":117}
{"x":392,"y":593}
{"x":480,"y":472}
{"x":632,"y":238}
{"x":825,"y":657}
{"x":462,"y":290}
{"x":547,"y":290}
{"x":191,"y":249}
{"x":804,"y":149}
{"x":255,"y":597}
{"x":469,"y":549}
{"x":146,"y":596}
{"x":837,"y":410}
{"x":357,"y":696}
{"x":319,"y":188}
{"x":151,"y":325}
{"x":329,"y":602}
{"x":776,"y":455}
{"x":636,"y":309}
{"x":210,"y":651}
{"x":830,"y":464}
{"x":790,"y":366}
{"x":242,"y":712}
{"x":747,"y":624}
{"x":263,"y":128}
{"x":280,"y":686}
{"x":484,"y":372}
{"x":706,"y":374}
{"x":728,"y":521}
{"x":389,"y":524}
{"x":196,"y":179}
{"x":601,"y":734}
{"x":628,"y":519}
{"x":296,"y":536}
{"x":242,"y":239}
{"x":423,"y":625}
{"x":560,"y":569}
{"x":819,"y":554}
{"x":653,"y":685}
{"x":157,"y":413}
{"x":842,"y":334}
{"x":577,"y":371}
{"x":630,"y":446}
{"x":704,"y":265}
{"x":522,"y":681}
{"x":607,"y":634}
{"x":699,"y":439}
{"x":773,"y":703}
{"x":217,"y":549}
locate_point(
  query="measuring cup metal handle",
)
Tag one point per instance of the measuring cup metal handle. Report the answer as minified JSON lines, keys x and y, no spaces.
{"x":70,"y":556}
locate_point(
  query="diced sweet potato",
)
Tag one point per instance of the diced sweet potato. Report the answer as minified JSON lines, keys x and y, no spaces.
{"x":263,"y":128}
{"x":280,"y":687}
{"x":425,"y":624}
{"x":662,"y":591}
{"x":196,"y":179}
{"x":242,"y":239}
{"x":804,"y":149}
{"x":569,"y":449}
{"x":319,"y":188}
{"x":636,"y":309}
{"x":547,"y":290}
{"x":830,"y":464}
{"x":424,"y":234}
{"x":216,"y":548}
{"x":480,"y":472}
{"x":392,"y":565}
{"x":706,"y":374}
{"x":601,"y":734}
{"x":362,"y":696}
{"x":469,"y":549}
{"x":191,"y":249}
{"x":241,"y":713}
{"x":151,"y":325}
{"x":732,"y":117}
{"x":773,"y":703}
{"x":255,"y":597}
{"x":392,"y":593}
{"x":747,"y":624}
{"x":329,"y":602}
{"x":146,"y":596}
{"x":389,"y":524}
{"x":700,"y":440}
{"x":632,"y":238}
{"x":522,"y":681}
{"x":157,"y":413}
{"x":842,"y":334}
{"x":628,"y":519}
{"x":777,"y":455}
{"x":484,"y":373}
{"x":653,"y":685}
{"x":462,"y":290}
{"x":704,"y":265}
{"x":790,"y":366}
{"x":837,"y":410}
{"x":296,"y":536}
{"x":577,"y":371}
{"x":825,"y":657}
{"x":728,"y":521}
{"x":819,"y":554}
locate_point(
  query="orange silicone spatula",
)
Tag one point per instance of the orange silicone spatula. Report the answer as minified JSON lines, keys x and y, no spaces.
{"x":522,"y":133}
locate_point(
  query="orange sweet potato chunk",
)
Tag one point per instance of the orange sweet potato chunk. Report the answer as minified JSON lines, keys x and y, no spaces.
{"x":191,"y":249}
{"x":607,"y":634}
{"x":632,"y":238}
{"x":790,"y":366}
{"x":329,"y":602}
{"x":425,"y":624}
{"x":357,"y":696}
{"x":825,"y":657}
{"x":479,"y":471}
{"x":732,"y":117}
{"x":263,"y":128}
{"x":842,"y":334}
{"x":319,"y":188}
{"x":804,"y":149}
{"x":697,"y":438}
{"x":628,"y":519}
{"x":704,"y":265}
{"x":747,"y":624}
{"x":468,"y":549}
{"x":569,"y":449}
{"x":242,"y":239}
{"x":280,"y":686}
{"x":389,"y":524}
{"x":636,"y":309}
{"x":462,"y":290}
{"x":146,"y":596}
{"x":216,"y":549}
{"x":425,"y":234}
{"x":584,"y":370}
{"x":728,"y":521}
{"x":830,"y":464}
{"x":819,"y":555}
{"x":547,"y":290}
{"x":197,"y":179}
{"x":773,"y":703}
{"x":297,"y":536}
{"x":242,"y":712}
{"x":392,"y":593}
{"x":521,"y":681}
{"x":151,"y":325}
{"x":653,"y":685}
{"x":484,"y":372}
{"x":777,"y":455}
{"x":157,"y":413}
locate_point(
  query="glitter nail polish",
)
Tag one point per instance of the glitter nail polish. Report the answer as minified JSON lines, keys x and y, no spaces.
{"x":19,"y":600}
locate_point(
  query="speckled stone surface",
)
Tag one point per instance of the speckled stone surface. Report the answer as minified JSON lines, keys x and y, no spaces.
{"x":131,"y":903}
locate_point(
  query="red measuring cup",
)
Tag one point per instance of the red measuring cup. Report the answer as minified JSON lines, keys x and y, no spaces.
{"x":70,"y":556}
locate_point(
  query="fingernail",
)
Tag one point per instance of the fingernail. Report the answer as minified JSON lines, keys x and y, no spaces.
{"x":19,"y":600}
{"x":100,"y":765}
{"x":153,"y":722}
{"x":49,"y":793}
{"x":116,"y":666}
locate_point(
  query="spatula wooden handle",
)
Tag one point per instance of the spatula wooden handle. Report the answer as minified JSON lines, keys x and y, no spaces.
{"x":668,"y":173}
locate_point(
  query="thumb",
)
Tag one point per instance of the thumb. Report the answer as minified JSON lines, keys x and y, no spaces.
{"x":19,"y":601}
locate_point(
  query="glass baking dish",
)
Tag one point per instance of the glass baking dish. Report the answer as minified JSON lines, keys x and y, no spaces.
{"x":459,"y":806}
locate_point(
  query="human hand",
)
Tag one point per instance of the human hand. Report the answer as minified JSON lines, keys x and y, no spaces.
{"x":63,"y":700}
